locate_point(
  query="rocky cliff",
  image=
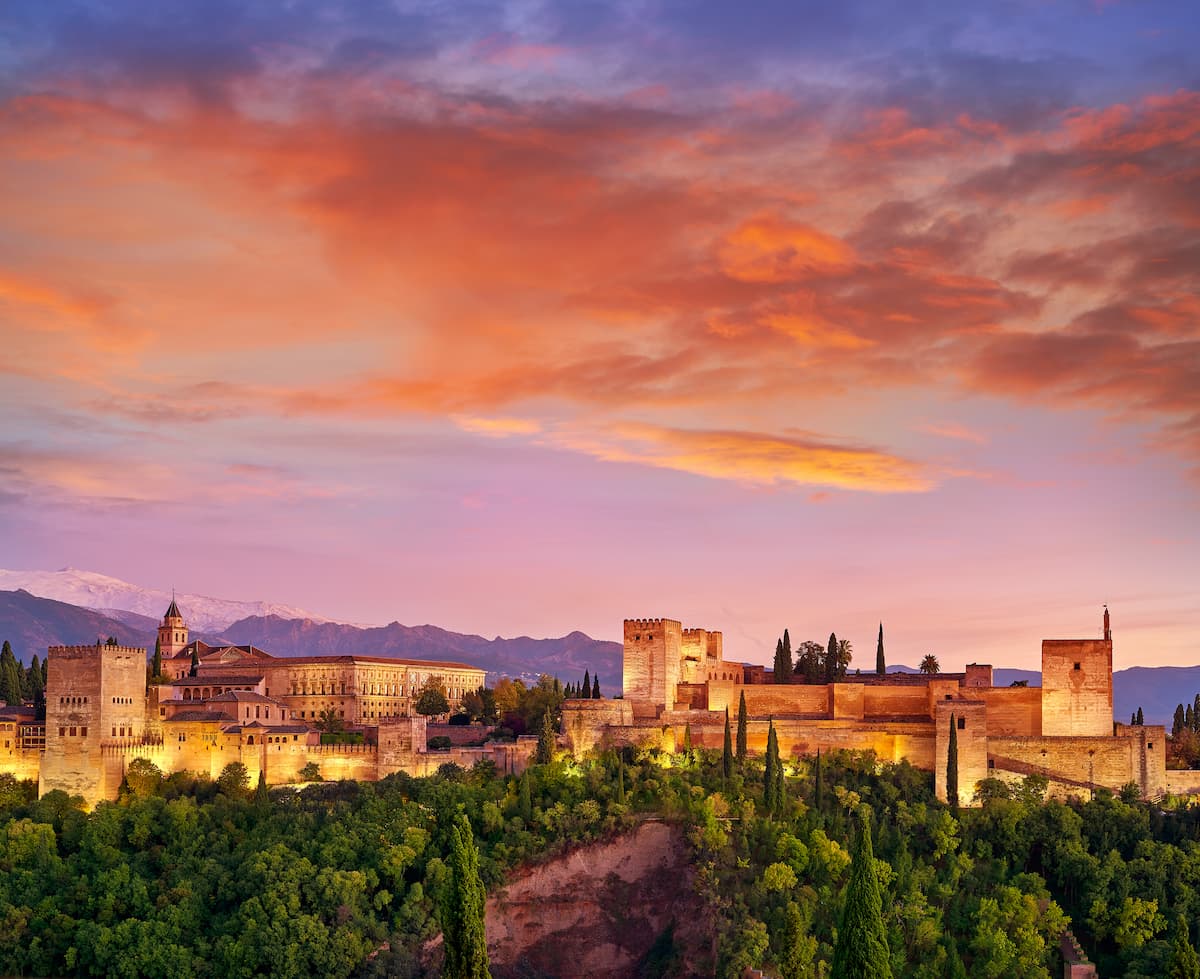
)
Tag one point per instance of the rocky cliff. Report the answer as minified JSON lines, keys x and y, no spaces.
{"x":612,"y":910}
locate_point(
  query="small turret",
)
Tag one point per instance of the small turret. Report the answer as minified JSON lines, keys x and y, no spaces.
{"x":1107,"y":627}
{"x":173,"y":633}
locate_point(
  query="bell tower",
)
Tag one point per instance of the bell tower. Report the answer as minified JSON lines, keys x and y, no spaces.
{"x":173,"y":633}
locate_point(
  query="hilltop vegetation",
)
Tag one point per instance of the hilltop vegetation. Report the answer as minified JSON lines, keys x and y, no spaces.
{"x":191,"y":877}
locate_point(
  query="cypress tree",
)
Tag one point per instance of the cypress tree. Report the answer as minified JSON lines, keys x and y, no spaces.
{"x":1196,"y":713}
{"x":587,"y":683}
{"x":1178,"y":724}
{"x":261,"y":799}
{"x":1184,"y":963}
{"x":195,"y":668}
{"x":687,"y":738}
{"x":1189,"y":719}
{"x":780,"y":791}
{"x":817,"y":786}
{"x":770,"y":782}
{"x":596,"y":687}
{"x":741,"y":729}
{"x":545,"y":748}
{"x":1133,"y":719}
{"x":862,"y":948}
{"x":524,"y":799}
{"x":10,"y":677}
{"x":831,"y":659}
{"x":462,"y":909}
{"x":36,"y":684}
{"x":157,"y":657}
{"x":880,"y":665}
{"x":952,"y":766}
{"x":727,"y":753}
{"x":781,"y":671}
{"x":1140,"y":719}
{"x":621,"y":779}
{"x":557,"y":688}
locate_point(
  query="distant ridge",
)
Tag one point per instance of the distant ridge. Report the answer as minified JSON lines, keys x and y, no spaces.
{"x":32,"y":623}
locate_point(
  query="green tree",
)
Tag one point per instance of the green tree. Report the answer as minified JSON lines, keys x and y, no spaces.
{"x":262,"y":798}
{"x":431,"y":701}
{"x":1140,"y":719}
{"x":952,"y":765}
{"x":810,"y":659}
{"x":782,"y":670}
{"x":1184,"y":963}
{"x":10,"y":676}
{"x":862,"y":948}
{"x":330,"y":721}
{"x":195,"y":667}
{"x":817,"y":783}
{"x":880,"y":664}
{"x":546,"y":741}
{"x":621,"y":779}
{"x":727,"y":751}
{"x":929,"y":665}
{"x":234,"y":780}
{"x":311,"y":772}
{"x":772,"y":774}
{"x":596,"y":687}
{"x":37,"y":684}
{"x":741,"y":728}
{"x":831,"y":658}
{"x":525,"y":799}
{"x":797,"y":948}
{"x":157,"y":667}
{"x":586,"y":689}
{"x":144,"y":778}
{"x":1179,"y":722}
{"x":465,"y":943}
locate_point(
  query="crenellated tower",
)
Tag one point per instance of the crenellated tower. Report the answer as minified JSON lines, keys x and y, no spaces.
{"x":173,"y":633}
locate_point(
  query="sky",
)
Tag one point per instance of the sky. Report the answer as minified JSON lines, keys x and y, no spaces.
{"x":530,"y":317}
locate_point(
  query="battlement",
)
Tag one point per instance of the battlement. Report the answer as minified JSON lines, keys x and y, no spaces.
{"x":698,"y":633}
{"x":633,"y":625}
{"x":91,"y":651}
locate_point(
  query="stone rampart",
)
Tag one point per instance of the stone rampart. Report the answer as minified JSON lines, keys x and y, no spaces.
{"x":1012,"y":711}
{"x":1108,"y":762}
{"x":1185,"y":782}
{"x":584,"y":721}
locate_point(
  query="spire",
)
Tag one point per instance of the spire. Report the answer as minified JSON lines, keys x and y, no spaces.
{"x":1107,"y":627}
{"x":173,"y":609}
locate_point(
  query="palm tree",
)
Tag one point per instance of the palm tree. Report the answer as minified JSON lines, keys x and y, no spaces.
{"x":930,"y":665}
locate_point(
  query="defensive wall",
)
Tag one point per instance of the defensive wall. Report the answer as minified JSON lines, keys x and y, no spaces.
{"x":678,"y":686}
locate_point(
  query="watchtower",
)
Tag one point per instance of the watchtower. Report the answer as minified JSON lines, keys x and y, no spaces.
{"x":173,"y":633}
{"x":1077,"y":686}
{"x":651,"y":661}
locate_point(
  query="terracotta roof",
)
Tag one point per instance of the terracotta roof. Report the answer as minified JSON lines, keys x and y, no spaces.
{"x":210,"y":680}
{"x":346,"y":658}
{"x":197,"y":715}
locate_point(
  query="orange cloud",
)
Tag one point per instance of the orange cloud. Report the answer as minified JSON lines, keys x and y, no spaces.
{"x":753,"y":458}
{"x":771,"y":249}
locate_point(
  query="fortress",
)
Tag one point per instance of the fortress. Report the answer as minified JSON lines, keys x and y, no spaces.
{"x":677,"y":685}
{"x":221,"y":704}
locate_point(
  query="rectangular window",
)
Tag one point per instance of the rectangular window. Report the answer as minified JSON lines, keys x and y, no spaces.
{"x":83,"y":732}
{"x":1076,"y":666}
{"x":962,"y":723}
{"x":62,"y":732}
{"x":73,"y":731}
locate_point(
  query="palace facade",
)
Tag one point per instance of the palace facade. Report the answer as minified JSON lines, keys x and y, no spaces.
{"x":222,"y":704}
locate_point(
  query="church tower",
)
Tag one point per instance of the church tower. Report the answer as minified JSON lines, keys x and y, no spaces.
{"x":173,"y":633}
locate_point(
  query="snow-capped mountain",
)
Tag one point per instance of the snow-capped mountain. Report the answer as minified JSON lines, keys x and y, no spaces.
{"x":112,"y":595}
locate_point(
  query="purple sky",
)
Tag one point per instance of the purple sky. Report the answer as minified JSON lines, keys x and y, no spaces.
{"x":526,"y":318}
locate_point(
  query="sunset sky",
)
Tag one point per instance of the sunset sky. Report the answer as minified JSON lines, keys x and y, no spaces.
{"x":526,"y":318}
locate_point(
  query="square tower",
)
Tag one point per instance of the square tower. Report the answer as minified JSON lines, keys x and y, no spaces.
{"x":1077,"y":690}
{"x":94,"y":695}
{"x":651,"y":661}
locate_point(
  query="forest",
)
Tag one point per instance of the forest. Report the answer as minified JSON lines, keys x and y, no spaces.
{"x":190,"y":876}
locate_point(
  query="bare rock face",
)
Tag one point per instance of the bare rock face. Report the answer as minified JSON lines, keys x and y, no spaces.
{"x":608,"y":911}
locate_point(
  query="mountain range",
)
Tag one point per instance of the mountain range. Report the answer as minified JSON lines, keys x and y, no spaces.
{"x":31,"y":621}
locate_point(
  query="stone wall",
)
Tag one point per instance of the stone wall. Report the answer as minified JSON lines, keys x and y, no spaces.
{"x":1182,"y":782}
{"x":770,"y":699}
{"x":970,"y":721}
{"x":1109,"y":762}
{"x":1012,"y":711}
{"x":584,"y":721}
